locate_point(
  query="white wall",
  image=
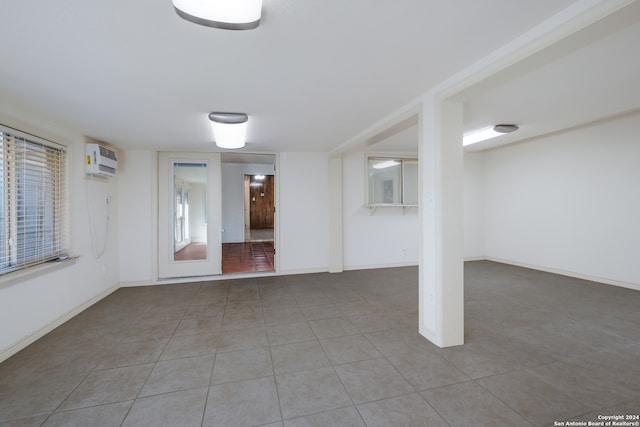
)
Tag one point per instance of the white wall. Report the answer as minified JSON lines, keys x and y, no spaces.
{"x":137,"y":228}
{"x":303,"y":235}
{"x":303,"y":230}
{"x":233,"y":197}
{"x":34,"y":305}
{"x":568,"y":202}
{"x":473,"y":206}
{"x":378,"y":239}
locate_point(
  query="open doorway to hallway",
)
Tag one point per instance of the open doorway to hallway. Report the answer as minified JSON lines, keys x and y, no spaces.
{"x":259,"y":207}
{"x":248,"y":213}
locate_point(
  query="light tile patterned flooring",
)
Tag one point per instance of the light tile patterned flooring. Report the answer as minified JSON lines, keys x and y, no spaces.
{"x":334,"y":350}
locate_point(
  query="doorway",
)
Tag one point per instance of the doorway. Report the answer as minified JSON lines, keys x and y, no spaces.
{"x":259,"y":208}
{"x":248,"y":219}
{"x":188,"y":214}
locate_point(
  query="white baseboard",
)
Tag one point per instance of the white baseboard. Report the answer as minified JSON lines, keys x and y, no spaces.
{"x":217,"y":277}
{"x":303,"y":271}
{"x":257,"y":274}
{"x":374,"y":266}
{"x":565,"y":273}
{"x":136,"y":284}
{"x":195,"y":279}
{"x":428,"y":334}
{"x":475,"y":258}
{"x":30,"y":339}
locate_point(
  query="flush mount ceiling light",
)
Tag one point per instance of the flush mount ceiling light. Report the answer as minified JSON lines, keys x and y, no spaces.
{"x":225,"y":14}
{"x":229,"y":129}
{"x":487,"y":133}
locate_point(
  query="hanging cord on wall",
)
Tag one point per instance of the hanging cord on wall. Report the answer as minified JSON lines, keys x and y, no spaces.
{"x":97,"y":252}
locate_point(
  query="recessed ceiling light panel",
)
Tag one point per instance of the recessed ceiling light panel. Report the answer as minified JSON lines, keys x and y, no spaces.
{"x":225,"y":14}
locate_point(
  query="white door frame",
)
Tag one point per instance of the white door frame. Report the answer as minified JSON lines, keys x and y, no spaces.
{"x":212,"y":265}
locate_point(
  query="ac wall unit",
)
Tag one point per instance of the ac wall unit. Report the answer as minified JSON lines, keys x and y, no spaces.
{"x":101,"y":160}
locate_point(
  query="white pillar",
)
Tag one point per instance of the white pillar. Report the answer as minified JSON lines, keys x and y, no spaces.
{"x":335,"y":215}
{"x":441,"y":288}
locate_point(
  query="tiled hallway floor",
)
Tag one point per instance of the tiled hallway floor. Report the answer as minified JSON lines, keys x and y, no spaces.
{"x":333,"y":350}
{"x":259,"y":235}
{"x":247,"y":257}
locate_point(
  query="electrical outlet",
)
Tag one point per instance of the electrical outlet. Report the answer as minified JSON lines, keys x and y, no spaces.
{"x":105,"y":270}
{"x":431,"y":299}
{"x":403,"y":253}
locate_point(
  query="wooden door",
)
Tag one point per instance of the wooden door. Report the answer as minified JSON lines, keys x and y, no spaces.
{"x":261,"y":199}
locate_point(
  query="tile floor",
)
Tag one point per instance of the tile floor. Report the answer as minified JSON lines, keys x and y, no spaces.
{"x":259,"y":234}
{"x":247,"y":257}
{"x":334,"y":350}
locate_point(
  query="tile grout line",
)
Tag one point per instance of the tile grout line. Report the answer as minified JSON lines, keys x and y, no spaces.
{"x":273,"y":369}
{"x":154,"y":366}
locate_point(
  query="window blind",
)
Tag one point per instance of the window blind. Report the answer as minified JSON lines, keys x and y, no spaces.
{"x":32,"y":212}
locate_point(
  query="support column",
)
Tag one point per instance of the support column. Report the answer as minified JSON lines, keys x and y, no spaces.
{"x":441,"y":287}
{"x":335,"y":215}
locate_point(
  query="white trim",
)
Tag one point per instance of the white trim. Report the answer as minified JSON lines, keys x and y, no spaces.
{"x":573,"y":274}
{"x":359,"y":142}
{"x":30,"y":339}
{"x":33,"y":271}
{"x":196,"y":279}
{"x":336,"y":213}
{"x":475,"y":258}
{"x":32,"y":137}
{"x":568,"y":21}
{"x":276,"y":235}
{"x":428,"y":334}
{"x":303,"y":271}
{"x":136,"y":284}
{"x":559,"y":26}
{"x":212,"y":265}
{"x":375,"y":266}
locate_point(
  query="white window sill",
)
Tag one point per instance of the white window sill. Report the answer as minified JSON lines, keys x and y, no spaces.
{"x":28,"y":273}
{"x":374,"y":206}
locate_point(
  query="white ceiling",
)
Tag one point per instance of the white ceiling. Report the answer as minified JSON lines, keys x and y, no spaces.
{"x":312,"y":75}
{"x":591,"y":75}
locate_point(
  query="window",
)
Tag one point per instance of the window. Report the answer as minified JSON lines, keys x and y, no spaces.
{"x":392,"y":182}
{"x":31,"y":213}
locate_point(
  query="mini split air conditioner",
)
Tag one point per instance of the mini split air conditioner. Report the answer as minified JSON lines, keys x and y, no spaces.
{"x":101,"y":160}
